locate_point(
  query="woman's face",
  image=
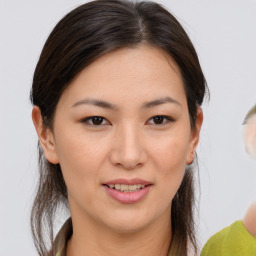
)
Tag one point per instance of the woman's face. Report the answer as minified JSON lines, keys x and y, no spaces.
{"x":122,"y":137}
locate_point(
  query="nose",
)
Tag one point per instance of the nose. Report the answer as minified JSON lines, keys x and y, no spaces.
{"x":128,"y":151}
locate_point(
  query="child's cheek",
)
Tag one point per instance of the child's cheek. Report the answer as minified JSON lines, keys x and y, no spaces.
{"x":250,"y":136}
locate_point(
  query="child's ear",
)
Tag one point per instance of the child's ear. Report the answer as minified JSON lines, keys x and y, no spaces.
{"x":45,"y":136}
{"x":194,"y":139}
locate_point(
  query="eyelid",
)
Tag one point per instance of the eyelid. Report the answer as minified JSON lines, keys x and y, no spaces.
{"x":168,"y":118}
{"x":86,"y":119}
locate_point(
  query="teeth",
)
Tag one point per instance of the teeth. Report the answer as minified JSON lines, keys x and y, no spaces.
{"x":117,"y":186}
{"x":140,"y":186}
{"x":126,"y":188}
{"x":133,"y":187}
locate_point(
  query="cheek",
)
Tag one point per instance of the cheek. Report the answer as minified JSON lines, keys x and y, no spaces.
{"x":170,"y":162}
{"x":80,"y":158}
{"x":75,"y":146}
{"x":170,"y":152}
{"x":250,"y":139}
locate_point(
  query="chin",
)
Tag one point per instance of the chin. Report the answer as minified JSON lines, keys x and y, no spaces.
{"x":128,"y":222}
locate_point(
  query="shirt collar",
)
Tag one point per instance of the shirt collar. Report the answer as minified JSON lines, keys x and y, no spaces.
{"x":60,"y":242}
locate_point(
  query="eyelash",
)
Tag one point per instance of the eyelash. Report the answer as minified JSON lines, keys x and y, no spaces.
{"x":86,"y":120}
{"x":168,"y":119}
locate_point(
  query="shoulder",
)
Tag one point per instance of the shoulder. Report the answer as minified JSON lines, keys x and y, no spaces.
{"x":233,"y":240}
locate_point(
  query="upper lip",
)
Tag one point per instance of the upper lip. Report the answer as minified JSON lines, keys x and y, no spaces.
{"x":133,"y":181}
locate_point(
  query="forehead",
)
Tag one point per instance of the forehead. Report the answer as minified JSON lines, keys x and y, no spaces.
{"x":250,"y":114}
{"x":127,"y":74}
{"x":251,"y":122}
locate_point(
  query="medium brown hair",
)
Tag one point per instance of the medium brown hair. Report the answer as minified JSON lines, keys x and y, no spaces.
{"x":83,"y":35}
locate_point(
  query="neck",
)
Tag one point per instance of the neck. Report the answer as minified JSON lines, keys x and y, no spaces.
{"x":90,"y":239}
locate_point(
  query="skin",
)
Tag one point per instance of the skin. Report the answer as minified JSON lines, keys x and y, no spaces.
{"x":127,"y":144}
{"x":250,"y":219}
{"x":250,"y":146}
{"x":250,"y":136}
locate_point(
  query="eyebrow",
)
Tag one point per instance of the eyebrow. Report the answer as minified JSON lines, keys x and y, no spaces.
{"x":160,"y":101}
{"x":95,"y":102}
{"x":107,"y":105}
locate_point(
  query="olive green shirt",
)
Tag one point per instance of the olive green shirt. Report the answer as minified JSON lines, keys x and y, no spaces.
{"x":233,"y":240}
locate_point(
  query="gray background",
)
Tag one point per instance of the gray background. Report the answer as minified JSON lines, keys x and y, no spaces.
{"x":224,"y":34}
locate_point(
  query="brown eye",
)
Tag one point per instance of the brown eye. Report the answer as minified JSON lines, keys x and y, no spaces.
{"x":160,"y":120}
{"x":95,"y":120}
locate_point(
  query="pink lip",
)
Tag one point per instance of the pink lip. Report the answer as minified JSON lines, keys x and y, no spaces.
{"x":134,"y":181}
{"x":128,"y":197}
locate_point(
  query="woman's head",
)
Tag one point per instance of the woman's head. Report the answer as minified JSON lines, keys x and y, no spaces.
{"x":98,"y":27}
{"x":127,"y":54}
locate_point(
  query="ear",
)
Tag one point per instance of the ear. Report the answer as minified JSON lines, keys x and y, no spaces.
{"x":194,"y":139}
{"x":45,"y":136}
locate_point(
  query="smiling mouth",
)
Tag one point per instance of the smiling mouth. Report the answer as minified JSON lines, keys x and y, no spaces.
{"x":126,"y":188}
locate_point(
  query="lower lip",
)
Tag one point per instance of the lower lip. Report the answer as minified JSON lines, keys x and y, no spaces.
{"x":128,"y":197}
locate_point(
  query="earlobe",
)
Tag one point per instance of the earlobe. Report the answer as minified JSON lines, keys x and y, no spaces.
{"x":195,"y":136}
{"x":190,"y":157}
{"x":45,"y":136}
